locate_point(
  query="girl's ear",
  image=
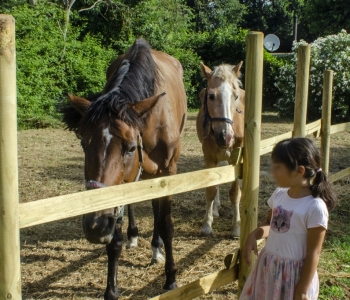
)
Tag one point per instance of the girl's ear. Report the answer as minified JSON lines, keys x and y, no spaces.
{"x":301,"y":170}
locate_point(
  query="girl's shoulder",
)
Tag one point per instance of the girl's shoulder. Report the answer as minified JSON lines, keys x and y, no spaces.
{"x":277,"y":194}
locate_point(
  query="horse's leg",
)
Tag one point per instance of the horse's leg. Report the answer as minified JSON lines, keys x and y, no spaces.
{"x":157,"y":243}
{"x":166,"y":231}
{"x":217,"y":203}
{"x":235,"y":197}
{"x":132,"y":231}
{"x":114,"y":249}
{"x":211,"y":193}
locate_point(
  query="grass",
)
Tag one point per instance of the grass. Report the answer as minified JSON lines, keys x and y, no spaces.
{"x":58,"y":263}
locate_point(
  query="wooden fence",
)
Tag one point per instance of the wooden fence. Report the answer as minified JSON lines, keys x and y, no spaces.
{"x":14,"y":216}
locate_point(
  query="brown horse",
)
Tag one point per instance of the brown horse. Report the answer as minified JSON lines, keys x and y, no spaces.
{"x":220,"y":128}
{"x":134,"y":125}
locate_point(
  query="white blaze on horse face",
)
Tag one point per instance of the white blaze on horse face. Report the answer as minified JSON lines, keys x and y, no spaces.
{"x":107,"y":137}
{"x":226,"y":92}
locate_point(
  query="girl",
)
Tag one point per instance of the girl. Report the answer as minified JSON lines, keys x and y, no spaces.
{"x":296,"y":226}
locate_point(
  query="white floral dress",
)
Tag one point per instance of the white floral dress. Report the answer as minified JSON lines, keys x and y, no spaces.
{"x":278,"y":267}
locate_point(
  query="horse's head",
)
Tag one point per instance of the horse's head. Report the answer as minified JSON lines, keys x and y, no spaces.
{"x":113,"y":154}
{"x":220,"y":101}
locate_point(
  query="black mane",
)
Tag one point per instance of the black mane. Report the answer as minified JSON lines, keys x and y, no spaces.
{"x":134,"y":80}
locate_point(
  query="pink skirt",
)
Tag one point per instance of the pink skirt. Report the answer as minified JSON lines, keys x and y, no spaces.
{"x":274,"y":278}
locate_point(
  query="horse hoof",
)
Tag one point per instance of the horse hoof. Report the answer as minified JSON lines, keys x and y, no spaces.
{"x":132,"y":242}
{"x":216,"y":213}
{"x":110,"y":295}
{"x":206,"y":231}
{"x":236,"y":233}
{"x":169,"y":287}
{"x":157,"y":256}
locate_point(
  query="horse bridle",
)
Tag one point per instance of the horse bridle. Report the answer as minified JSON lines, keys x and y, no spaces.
{"x":206,"y":111}
{"x":95,"y":184}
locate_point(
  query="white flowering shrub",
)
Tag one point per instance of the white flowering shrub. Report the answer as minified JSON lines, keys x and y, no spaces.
{"x":331,"y":52}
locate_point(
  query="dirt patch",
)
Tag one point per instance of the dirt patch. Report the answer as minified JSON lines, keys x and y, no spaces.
{"x":58,"y":263}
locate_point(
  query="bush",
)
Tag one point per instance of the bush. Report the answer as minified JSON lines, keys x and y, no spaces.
{"x":331,"y":52}
{"x":43,"y":74}
{"x":272,"y":65}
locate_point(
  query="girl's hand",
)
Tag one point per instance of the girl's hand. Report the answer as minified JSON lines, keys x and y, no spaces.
{"x":300,"y":296}
{"x":250,"y":246}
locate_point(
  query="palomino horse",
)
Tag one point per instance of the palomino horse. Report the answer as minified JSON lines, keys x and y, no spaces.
{"x":134,"y":125}
{"x":220,"y":128}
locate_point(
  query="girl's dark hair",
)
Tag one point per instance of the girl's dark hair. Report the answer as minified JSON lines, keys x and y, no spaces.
{"x":296,"y":152}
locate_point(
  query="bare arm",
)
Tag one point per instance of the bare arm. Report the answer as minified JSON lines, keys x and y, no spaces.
{"x":315,"y":239}
{"x":262,"y":231}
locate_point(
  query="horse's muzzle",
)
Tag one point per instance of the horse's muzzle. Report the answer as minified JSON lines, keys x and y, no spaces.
{"x":98,"y":226}
{"x":223,"y":139}
{"x":99,"y":229}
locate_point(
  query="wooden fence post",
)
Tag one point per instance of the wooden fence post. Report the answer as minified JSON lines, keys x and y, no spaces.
{"x":10,"y":273}
{"x":251,"y":150}
{"x":301,"y":90}
{"x":326,"y":119}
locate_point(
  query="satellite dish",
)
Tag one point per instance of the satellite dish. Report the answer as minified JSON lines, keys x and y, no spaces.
{"x":271,"y":42}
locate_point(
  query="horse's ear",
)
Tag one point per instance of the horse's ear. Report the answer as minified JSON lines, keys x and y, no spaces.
{"x":78,"y":103}
{"x":206,"y":71}
{"x":236,"y":69}
{"x":144,"y":106}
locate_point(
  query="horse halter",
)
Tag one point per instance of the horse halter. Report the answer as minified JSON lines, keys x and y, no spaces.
{"x":206,"y":112}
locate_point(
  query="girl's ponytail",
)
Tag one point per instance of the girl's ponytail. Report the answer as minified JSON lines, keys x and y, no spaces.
{"x":322,"y":188}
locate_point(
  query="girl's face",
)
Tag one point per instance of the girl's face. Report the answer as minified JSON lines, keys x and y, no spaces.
{"x":284,"y":177}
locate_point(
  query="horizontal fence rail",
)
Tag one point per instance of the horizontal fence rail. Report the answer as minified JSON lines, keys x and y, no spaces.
{"x":205,"y":284}
{"x":340,"y":127}
{"x":66,"y":206}
{"x":337,"y":176}
{"x":45,"y":210}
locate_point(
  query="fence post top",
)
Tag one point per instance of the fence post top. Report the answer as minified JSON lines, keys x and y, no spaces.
{"x":255,"y":33}
{"x":6,"y":17}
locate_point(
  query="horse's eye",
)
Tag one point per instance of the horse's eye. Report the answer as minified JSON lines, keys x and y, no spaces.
{"x":212,"y":96}
{"x":132,"y":150}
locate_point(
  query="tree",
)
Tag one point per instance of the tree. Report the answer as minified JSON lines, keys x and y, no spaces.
{"x":210,"y":15}
{"x":324,"y":17}
{"x":272,"y":16}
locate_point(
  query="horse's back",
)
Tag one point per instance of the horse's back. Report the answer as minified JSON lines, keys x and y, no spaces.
{"x":173,"y":104}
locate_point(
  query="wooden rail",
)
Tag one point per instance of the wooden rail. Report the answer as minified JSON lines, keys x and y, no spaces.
{"x":301,"y":90}
{"x":326,"y":119}
{"x":203,"y":285}
{"x":251,"y":150}
{"x":340,"y":127}
{"x":337,"y":176}
{"x":10,"y":272}
{"x":267,"y":145}
{"x":313,"y":127}
{"x":61,"y":207}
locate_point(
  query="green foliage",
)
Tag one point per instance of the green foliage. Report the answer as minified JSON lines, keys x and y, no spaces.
{"x":43,"y":75}
{"x":331,"y":52}
{"x":211,"y":15}
{"x":272,"y":16}
{"x":272,"y":65}
{"x":324,"y":17}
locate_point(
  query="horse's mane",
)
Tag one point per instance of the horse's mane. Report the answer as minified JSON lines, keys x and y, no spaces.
{"x":224,"y":72}
{"x":135,"y":79}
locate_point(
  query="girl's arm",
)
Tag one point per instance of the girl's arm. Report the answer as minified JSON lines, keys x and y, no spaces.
{"x":315,"y":237}
{"x":261,"y":232}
